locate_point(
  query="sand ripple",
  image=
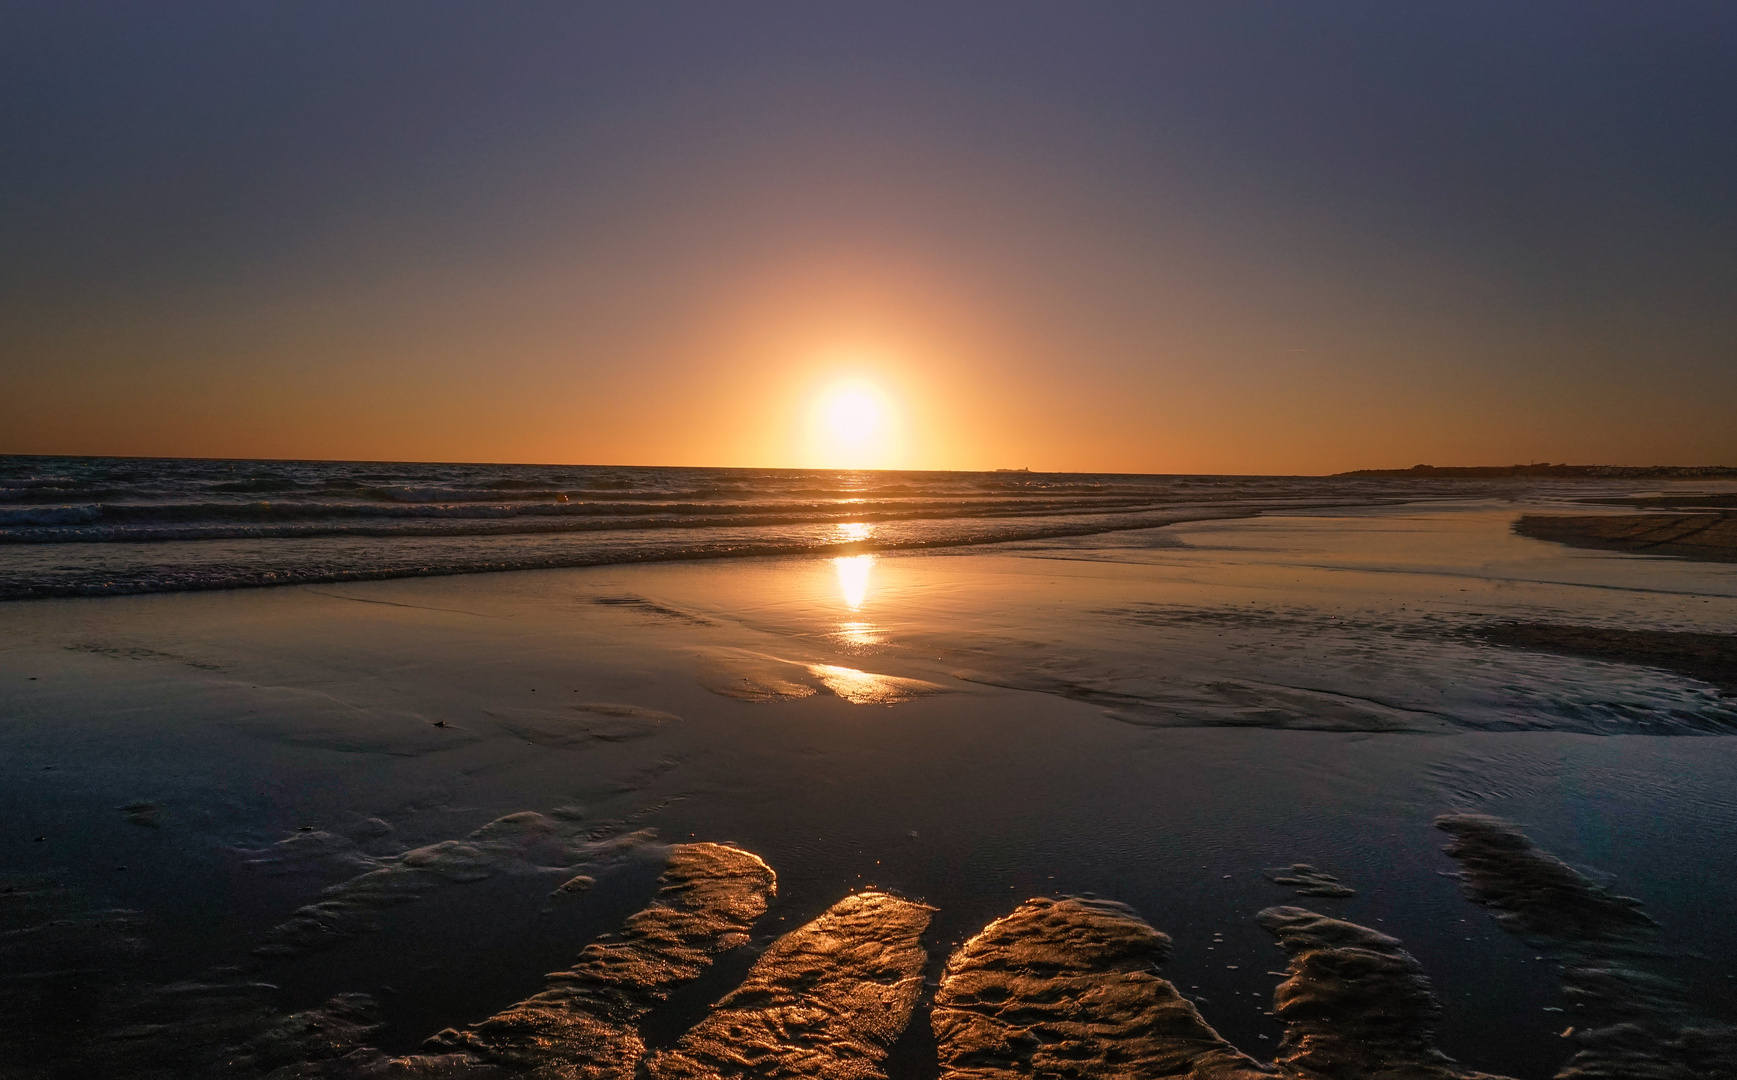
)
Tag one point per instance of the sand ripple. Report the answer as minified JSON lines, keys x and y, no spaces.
{"x":826,"y":1000}
{"x":1066,"y":988}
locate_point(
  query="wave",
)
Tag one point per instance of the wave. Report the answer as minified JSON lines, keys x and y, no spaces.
{"x":16,"y":520}
{"x":96,"y":526}
{"x":232,"y":568}
{"x":126,"y":523}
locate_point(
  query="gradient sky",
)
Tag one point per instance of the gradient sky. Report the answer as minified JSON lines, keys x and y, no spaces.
{"x":1189,"y":237}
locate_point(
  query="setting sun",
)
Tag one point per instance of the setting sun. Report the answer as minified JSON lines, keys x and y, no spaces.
{"x":854,"y":415}
{"x":854,"y":425}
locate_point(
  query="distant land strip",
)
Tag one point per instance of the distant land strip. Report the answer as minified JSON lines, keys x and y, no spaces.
{"x":1619,"y":472}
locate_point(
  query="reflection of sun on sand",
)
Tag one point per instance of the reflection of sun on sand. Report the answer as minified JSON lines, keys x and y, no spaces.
{"x":853,"y":588}
{"x":867,"y":688}
{"x":750,"y":676}
{"x":853,"y":578}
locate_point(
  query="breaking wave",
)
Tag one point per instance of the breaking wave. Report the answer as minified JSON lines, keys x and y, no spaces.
{"x":101,"y":526}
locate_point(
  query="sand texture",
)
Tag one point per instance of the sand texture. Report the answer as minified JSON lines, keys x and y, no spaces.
{"x":1066,"y":988}
{"x":1060,"y":988}
{"x":826,"y":1000}
{"x":584,"y":1024}
{"x":1355,"y":1005}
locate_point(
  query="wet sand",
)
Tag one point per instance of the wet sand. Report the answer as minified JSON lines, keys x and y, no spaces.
{"x":1707,"y":536}
{"x":1712,"y":658}
{"x":1712,"y":537}
{"x":434,"y":793}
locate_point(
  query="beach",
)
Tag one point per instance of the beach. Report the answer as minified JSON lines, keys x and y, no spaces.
{"x":197,"y":781}
{"x":868,"y":541}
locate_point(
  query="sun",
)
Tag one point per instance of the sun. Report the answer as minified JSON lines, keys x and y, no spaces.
{"x":854,"y":416}
{"x":853,"y":425}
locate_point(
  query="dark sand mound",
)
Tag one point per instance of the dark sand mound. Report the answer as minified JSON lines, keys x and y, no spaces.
{"x":1628,"y":1020}
{"x":1709,"y":657}
{"x":1355,"y":1005}
{"x":826,"y":1000}
{"x":1309,"y":881}
{"x":1066,"y":988}
{"x":1706,"y":537}
{"x":1532,"y":890}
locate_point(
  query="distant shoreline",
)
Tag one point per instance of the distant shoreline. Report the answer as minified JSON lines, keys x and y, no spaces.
{"x":1424,"y":472}
{"x":1603,"y":472}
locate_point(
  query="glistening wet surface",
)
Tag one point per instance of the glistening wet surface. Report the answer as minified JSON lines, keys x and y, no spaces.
{"x":1158,"y":722}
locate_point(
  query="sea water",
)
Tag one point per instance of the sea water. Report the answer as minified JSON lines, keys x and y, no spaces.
{"x":109,"y":526}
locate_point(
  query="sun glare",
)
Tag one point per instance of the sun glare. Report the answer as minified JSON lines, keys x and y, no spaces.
{"x":854,"y":426}
{"x":854,"y":416}
{"x":853,"y":578}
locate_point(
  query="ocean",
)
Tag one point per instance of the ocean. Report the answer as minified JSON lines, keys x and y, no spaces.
{"x":110,"y":526}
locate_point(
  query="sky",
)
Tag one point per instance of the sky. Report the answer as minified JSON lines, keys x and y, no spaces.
{"x":1213,"y":237}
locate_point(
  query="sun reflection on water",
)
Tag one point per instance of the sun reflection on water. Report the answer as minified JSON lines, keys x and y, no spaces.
{"x":853,"y":584}
{"x":854,"y":572}
{"x":853,"y":578}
